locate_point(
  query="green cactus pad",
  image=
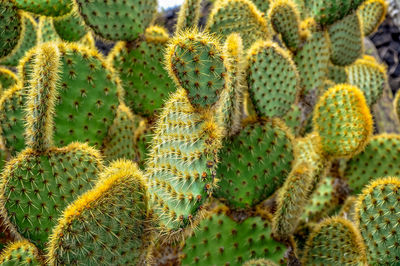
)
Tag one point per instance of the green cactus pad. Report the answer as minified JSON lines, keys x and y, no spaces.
{"x":220,"y":240}
{"x":107,"y":224}
{"x":70,"y":27}
{"x":337,"y":74}
{"x":141,"y":69}
{"x":143,"y":135}
{"x":7,"y":78}
{"x":322,"y":201}
{"x":197,"y":63}
{"x":369,"y":76}
{"x":26,"y":42}
{"x":118,"y":20}
{"x":36,"y":187}
{"x":330,"y":11}
{"x":312,"y":62}
{"x":346,"y":39}
{"x":20,"y":253}
{"x":121,"y":142}
{"x":372,"y":13}
{"x":10,"y":27}
{"x":335,"y":241}
{"x":51,"y":8}
{"x":377,"y":217}
{"x":255,"y":163}
{"x":343,"y":121}
{"x":238,"y":16}
{"x":291,"y":200}
{"x":181,"y":167}
{"x":229,"y":111}
{"x":46,"y":31}
{"x":189,"y":15}
{"x":285,"y":19}
{"x":272,"y":79}
{"x":380,"y":158}
{"x":82,"y":112}
{"x":293,"y":119}
{"x":12,"y":113}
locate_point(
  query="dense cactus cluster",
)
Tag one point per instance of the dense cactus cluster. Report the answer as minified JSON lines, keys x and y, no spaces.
{"x":249,"y":141}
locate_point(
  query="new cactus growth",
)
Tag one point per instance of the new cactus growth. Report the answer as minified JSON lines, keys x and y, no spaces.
{"x":343,"y":121}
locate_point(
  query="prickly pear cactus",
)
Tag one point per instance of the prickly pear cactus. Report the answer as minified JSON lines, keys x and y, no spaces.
{"x":20,"y":253}
{"x":377,"y":217}
{"x":10,"y":27}
{"x":227,"y":242}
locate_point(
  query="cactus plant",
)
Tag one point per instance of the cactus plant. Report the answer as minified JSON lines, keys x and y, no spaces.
{"x":20,"y":253}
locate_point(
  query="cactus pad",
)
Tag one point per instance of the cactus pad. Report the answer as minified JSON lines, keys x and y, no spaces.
{"x":238,"y":16}
{"x":196,"y":62}
{"x":260,"y":262}
{"x":106,"y":225}
{"x":335,"y":241}
{"x":26,"y":42}
{"x":255,"y":163}
{"x":372,"y":13}
{"x":70,"y":27}
{"x":343,"y":121}
{"x":51,"y":8}
{"x":346,"y":39}
{"x":141,"y":69}
{"x":272,"y":78}
{"x":380,"y":158}
{"x":189,"y":15}
{"x":118,"y":20}
{"x":181,"y":168}
{"x":46,"y":31}
{"x":329,"y":11}
{"x":7,"y":78}
{"x":10,"y":27}
{"x":20,"y":253}
{"x":337,"y":74}
{"x":369,"y":76}
{"x":220,"y":240}
{"x":377,"y":217}
{"x":285,"y":19}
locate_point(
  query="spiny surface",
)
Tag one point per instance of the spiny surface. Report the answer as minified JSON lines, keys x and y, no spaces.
{"x":372,"y":13}
{"x":10,"y":27}
{"x":51,"y":8}
{"x":70,"y":27}
{"x":20,"y":253}
{"x":254,"y":163}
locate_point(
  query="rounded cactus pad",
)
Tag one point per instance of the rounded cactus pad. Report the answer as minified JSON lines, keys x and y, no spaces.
{"x":369,"y":76}
{"x":254,"y":163}
{"x":343,"y":121}
{"x":10,"y":27}
{"x":346,"y":38}
{"x":272,"y":79}
{"x":26,"y":42}
{"x":263,"y":5}
{"x":220,"y":240}
{"x":285,"y":19}
{"x":181,"y":168}
{"x":46,"y":31}
{"x":238,"y":16}
{"x":196,"y":62}
{"x":329,"y":11}
{"x":377,"y":216}
{"x":7,"y":78}
{"x":51,"y":8}
{"x":372,"y":13}
{"x":312,"y":62}
{"x":337,"y":74}
{"x":36,"y":187}
{"x":141,"y":69}
{"x":117,"y":20}
{"x":293,"y":119}
{"x":12,"y":122}
{"x":380,"y":158}
{"x":70,"y":27}
{"x":335,"y":241}
{"x":20,"y":253}
{"x":107,"y":224}
{"x":189,"y":15}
